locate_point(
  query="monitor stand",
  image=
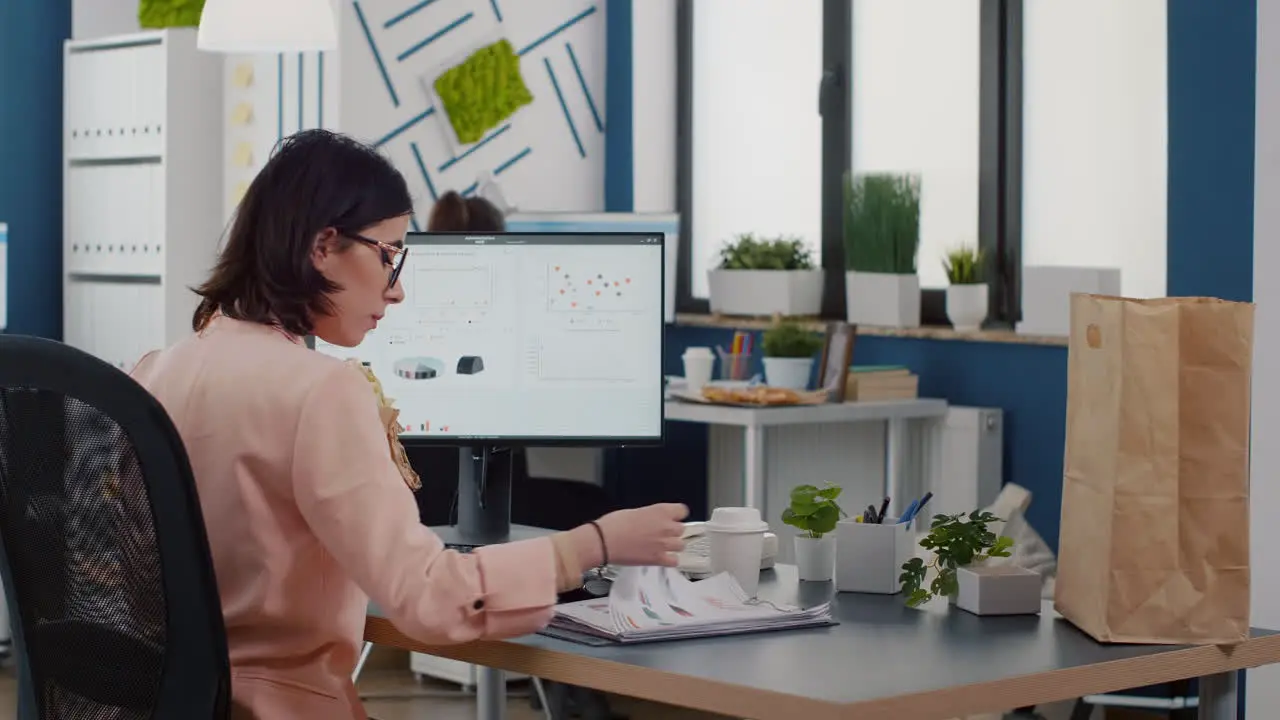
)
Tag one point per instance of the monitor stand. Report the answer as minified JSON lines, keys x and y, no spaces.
{"x":484,"y":503}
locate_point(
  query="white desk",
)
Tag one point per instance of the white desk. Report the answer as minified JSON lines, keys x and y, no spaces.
{"x":895,"y":414}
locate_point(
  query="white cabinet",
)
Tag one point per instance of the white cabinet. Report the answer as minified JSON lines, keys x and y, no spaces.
{"x":142,"y":189}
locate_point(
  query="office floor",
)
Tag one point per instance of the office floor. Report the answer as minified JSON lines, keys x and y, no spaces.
{"x":395,"y":695}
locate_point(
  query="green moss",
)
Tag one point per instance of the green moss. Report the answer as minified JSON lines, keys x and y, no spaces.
{"x":483,"y":91}
{"x":169,"y":13}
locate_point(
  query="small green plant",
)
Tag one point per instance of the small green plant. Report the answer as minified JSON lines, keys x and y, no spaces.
{"x":814,"y":510}
{"x":482,"y":91}
{"x":956,"y":541}
{"x":748,"y":252}
{"x":881,"y":223}
{"x":157,"y":14}
{"x":790,"y":339}
{"x":963,"y":266}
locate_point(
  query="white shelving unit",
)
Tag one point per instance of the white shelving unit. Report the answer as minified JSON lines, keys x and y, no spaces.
{"x":142,"y":189}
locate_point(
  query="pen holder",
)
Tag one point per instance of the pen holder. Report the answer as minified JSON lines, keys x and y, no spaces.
{"x":869,"y":556}
{"x":734,"y":366}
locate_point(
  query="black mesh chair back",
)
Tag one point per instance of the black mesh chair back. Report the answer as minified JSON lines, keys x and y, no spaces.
{"x":107,"y":569}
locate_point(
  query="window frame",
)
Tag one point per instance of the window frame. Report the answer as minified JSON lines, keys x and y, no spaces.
{"x":1000,"y":158}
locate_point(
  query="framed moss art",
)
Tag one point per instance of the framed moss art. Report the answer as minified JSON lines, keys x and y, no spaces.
{"x":482,"y":91}
{"x":157,"y":14}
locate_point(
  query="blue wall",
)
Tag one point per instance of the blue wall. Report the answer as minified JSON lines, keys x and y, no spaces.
{"x":31,"y":37}
{"x":1212,"y":79}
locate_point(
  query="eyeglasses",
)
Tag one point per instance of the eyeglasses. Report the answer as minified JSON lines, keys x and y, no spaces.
{"x":393,"y":256}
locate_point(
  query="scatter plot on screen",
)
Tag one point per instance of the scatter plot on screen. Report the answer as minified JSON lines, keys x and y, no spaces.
{"x":468,"y":287}
{"x":597,"y":287}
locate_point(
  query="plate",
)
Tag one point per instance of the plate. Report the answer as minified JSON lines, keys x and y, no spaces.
{"x":795,"y":397}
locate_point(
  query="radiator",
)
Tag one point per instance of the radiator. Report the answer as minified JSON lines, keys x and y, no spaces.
{"x":957,"y":457}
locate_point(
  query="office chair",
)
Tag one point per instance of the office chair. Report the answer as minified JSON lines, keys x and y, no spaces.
{"x":106,"y":565}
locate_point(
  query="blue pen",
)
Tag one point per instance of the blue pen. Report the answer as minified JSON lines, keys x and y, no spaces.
{"x":906,"y":514}
{"x":918,"y":505}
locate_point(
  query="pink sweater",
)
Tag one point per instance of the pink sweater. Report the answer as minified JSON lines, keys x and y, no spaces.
{"x":308,"y":519}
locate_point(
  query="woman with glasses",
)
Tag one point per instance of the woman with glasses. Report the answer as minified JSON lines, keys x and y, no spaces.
{"x":307,"y":513}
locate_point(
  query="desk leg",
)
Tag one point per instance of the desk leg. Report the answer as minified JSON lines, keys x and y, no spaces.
{"x":894,"y":460}
{"x":491,"y":694}
{"x":753,"y":467}
{"x":1218,"y":699}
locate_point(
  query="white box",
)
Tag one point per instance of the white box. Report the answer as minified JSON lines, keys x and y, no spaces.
{"x":1047,"y":290}
{"x":766,"y":292}
{"x":869,"y":557}
{"x":998,"y":590}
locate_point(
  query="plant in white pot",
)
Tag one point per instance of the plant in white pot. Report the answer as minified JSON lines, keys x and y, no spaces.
{"x":765,"y":276}
{"x":814,"y":512}
{"x":881,"y":239}
{"x":789,"y":348}
{"x":966,"y":292}
{"x":961,"y":545}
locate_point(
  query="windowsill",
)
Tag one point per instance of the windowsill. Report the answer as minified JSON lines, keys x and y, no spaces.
{"x":925,"y":333}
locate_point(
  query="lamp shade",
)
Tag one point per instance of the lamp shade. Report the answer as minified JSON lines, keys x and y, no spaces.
{"x":267,"y":26}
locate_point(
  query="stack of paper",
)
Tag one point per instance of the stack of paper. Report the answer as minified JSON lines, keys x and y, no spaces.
{"x":652,"y":603}
{"x":881,"y":382}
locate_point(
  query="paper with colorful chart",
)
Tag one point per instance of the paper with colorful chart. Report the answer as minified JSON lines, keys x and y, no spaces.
{"x":650,"y":603}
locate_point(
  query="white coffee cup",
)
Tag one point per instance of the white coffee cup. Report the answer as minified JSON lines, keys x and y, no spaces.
{"x":736,"y":539}
{"x":699,"y":365}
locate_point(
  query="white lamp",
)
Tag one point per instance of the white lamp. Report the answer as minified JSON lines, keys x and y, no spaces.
{"x":267,"y":26}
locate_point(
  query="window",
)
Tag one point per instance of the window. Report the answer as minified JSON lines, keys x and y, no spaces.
{"x":1095,"y":143}
{"x":756,"y":132}
{"x":916,"y":110}
{"x":935,"y":90}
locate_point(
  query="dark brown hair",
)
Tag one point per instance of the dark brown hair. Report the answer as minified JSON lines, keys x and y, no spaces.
{"x":314,"y":180}
{"x":454,"y":213}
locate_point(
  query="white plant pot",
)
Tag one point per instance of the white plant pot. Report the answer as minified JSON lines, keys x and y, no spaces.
{"x":882,"y":299}
{"x":998,"y":590}
{"x":967,"y":306}
{"x":816,"y":557}
{"x":785,"y":372}
{"x":765,"y":292}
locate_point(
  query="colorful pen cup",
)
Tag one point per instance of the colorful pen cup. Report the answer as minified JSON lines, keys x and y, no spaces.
{"x":869,"y":557}
{"x":734,"y":366}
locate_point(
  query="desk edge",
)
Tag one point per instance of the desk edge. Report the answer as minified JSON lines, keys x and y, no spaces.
{"x":741,"y":701}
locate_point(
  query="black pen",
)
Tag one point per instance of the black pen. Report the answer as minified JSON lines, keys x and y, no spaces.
{"x":920,"y":505}
{"x":871,"y":514}
{"x":884,"y":508}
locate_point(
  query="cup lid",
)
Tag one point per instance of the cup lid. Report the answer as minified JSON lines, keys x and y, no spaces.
{"x":736,"y":520}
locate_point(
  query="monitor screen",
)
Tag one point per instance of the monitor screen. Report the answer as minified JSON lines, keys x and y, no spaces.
{"x":515,"y":338}
{"x":573,"y":222}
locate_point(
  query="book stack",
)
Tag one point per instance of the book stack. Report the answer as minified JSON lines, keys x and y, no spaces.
{"x":881,"y":382}
{"x":652,"y":603}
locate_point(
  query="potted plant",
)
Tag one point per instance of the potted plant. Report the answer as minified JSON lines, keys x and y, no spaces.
{"x":961,"y":544}
{"x":765,"y":276}
{"x":966,"y":292}
{"x":881,"y":239}
{"x":788,"y":355}
{"x":814,"y":512}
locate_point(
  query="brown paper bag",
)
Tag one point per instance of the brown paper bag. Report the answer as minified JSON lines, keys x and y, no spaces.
{"x":1154,"y":545}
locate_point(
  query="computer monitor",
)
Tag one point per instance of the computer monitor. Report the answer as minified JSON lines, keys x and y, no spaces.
{"x":514,"y":339}
{"x":610,"y":222}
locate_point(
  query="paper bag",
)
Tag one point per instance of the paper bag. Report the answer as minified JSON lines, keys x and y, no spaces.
{"x":1154,"y":545}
